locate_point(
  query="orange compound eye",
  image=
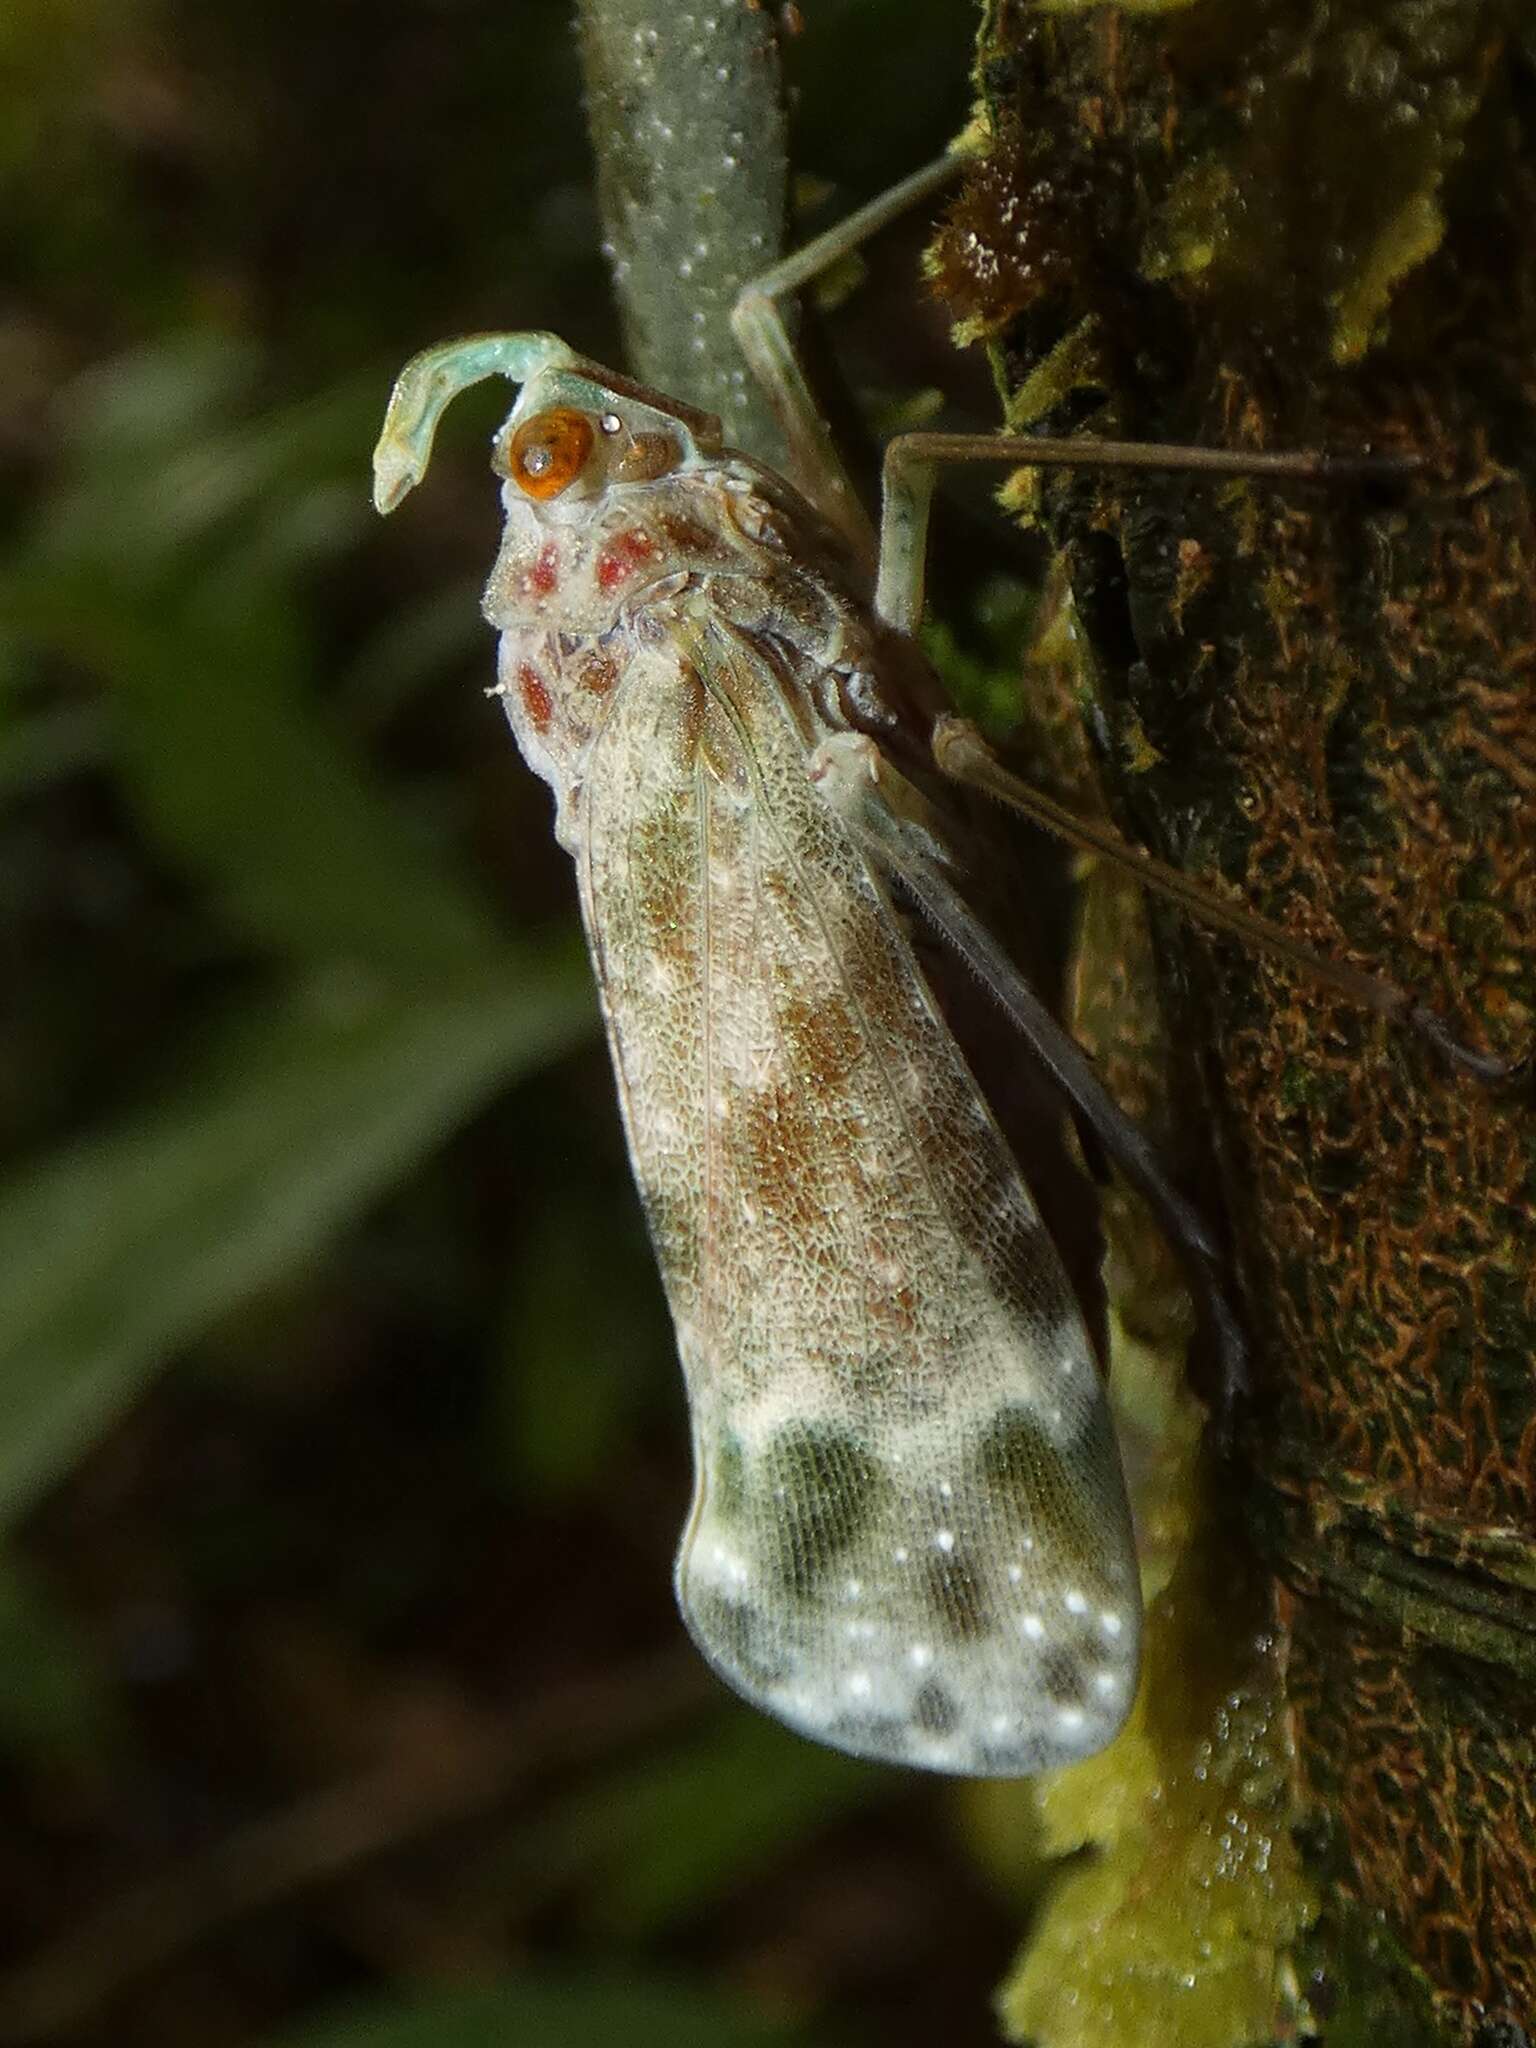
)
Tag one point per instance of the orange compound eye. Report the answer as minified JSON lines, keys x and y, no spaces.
{"x":547,"y":452}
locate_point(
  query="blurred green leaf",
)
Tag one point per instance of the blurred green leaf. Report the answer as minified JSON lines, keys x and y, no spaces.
{"x":577,"y":1360}
{"x":237,"y":773}
{"x":544,"y":2012}
{"x":679,"y":1832}
{"x":50,"y":744}
{"x":409,"y":648}
{"x":166,"y":564}
{"x":166,"y":466}
{"x":55,"y":1699}
{"x":125,"y":1246}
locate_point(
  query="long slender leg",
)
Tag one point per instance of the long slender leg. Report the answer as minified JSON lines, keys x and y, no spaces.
{"x":912,"y":462}
{"x":964,"y":756}
{"x":960,"y":751}
{"x":759,"y":327}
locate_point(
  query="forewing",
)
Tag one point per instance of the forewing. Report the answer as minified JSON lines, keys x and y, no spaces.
{"x":909,"y":1536}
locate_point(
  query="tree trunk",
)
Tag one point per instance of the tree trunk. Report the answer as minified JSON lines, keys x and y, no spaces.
{"x":1289,"y":225}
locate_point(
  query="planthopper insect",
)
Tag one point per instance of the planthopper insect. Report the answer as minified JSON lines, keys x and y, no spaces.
{"x":909,"y":1536}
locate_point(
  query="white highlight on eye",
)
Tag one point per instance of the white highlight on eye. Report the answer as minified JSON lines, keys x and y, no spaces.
{"x":1074,"y":1602}
{"x":610,"y":423}
{"x":1111,"y":1624}
{"x":944,"y":1539}
{"x":1033,"y":1627}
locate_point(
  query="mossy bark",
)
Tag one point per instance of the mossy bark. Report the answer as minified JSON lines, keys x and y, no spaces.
{"x":1279,"y":224}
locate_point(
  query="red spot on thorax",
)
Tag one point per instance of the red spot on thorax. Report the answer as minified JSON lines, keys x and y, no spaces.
{"x":545,"y":573}
{"x":536,"y":698}
{"x":625,"y":553}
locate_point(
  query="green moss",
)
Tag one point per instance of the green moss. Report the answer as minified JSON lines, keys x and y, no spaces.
{"x":1178,"y":1928}
{"x":1365,"y":1987}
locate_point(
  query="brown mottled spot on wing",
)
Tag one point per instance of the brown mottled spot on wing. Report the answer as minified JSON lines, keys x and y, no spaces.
{"x":823,"y":1035}
{"x":785,"y":1145}
{"x":885,"y":996}
{"x":664,"y":850}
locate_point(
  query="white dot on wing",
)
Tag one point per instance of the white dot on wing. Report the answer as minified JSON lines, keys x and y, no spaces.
{"x":1033,"y":1627}
{"x":1074,"y":1602}
{"x":1111,"y":1624}
{"x":944,"y":1539}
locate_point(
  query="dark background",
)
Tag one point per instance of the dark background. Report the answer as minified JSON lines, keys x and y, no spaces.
{"x":342,"y":1451}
